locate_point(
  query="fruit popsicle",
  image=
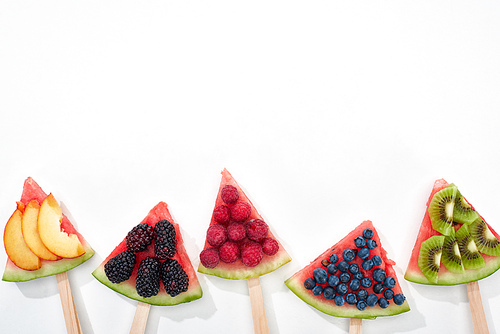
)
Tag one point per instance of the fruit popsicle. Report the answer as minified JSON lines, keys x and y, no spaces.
{"x":239,"y":244}
{"x":454,"y":245}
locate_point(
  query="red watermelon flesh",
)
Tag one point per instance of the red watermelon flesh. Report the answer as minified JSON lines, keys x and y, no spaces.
{"x":237,"y":270}
{"x":296,"y":283}
{"x":32,"y":191}
{"x":445,"y":277}
{"x":128,"y":287}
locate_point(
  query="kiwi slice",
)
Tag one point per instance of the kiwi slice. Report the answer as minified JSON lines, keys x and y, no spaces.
{"x":471,"y":257}
{"x":463,"y":212}
{"x":441,"y":209}
{"x":429,"y":257}
{"x":485,"y":241}
{"x":451,"y":257}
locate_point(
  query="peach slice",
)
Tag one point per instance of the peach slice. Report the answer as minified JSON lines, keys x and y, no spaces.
{"x":30,"y":232}
{"x":49,"y":227}
{"x":15,"y":246}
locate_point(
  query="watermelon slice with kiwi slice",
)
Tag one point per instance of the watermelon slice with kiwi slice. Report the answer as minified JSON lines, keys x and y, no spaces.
{"x":352,"y":279}
{"x":454,"y":245}
{"x":151,"y":264}
{"x":33,"y":192}
{"x":239,"y":244}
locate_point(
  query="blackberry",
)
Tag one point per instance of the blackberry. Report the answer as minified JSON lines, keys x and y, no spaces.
{"x":175,"y":280}
{"x":140,"y":237}
{"x":119,"y":268}
{"x":165,"y":240}
{"x":148,"y":277}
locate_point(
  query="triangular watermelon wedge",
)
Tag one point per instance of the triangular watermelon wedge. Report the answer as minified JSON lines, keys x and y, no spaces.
{"x":444,"y":276}
{"x":128,"y":288}
{"x":319,"y":283}
{"x":12,"y":273}
{"x":237,"y":270}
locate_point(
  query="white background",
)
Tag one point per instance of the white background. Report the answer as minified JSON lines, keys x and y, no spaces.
{"x":326,"y":112}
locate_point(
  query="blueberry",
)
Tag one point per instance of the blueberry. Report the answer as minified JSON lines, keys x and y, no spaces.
{"x":358,"y":275}
{"x":329,"y":292}
{"x":342,"y":289}
{"x":317,"y":290}
{"x":379,"y":275}
{"x":339,"y":300}
{"x":320,"y":275}
{"x":331,"y":268}
{"x":363,"y":253}
{"x":334,"y":258}
{"x":361,"y":305}
{"x":390,"y":282}
{"x":354,"y":284}
{"x":333,"y":280}
{"x":368,"y":233}
{"x":362,"y":294}
{"x":399,"y":299}
{"x":348,"y":254}
{"x":383,"y":303}
{"x":371,"y":300}
{"x":345,"y":277}
{"x":388,"y":294}
{"x":351,"y":298}
{"x":360,"y":242}
{"x":366,"y":282}
{"x":353,"y":268}
{"x":343,"y":265}
{"x":309,"y":284}
{"x":377,"y":261}
{"x":367,"y":264}
{"x":371,"y":243}
{"x":378,"y":288}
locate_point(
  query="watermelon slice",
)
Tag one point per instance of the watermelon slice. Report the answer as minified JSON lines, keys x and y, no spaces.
{"x":12,"y":273}
{"x":444,"y":276}
{"x":247,"y":226}
{"x":352,"y":279}
{"x":128,"y":287}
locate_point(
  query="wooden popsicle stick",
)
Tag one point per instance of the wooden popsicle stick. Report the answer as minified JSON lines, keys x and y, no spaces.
{"x":356,"y":326}
{"x":258,"y":311}
{"x":68,"y":305}
{"x":140,"y":318}
{"x":476,"y":308}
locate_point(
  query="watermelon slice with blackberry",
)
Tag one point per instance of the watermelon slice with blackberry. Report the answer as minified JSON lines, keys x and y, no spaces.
{"x":151,"y":264}
{"x":352,"y":279}
{"x":49,"y":263}
{"x":239,"y":243}
{"x":455,"y":244}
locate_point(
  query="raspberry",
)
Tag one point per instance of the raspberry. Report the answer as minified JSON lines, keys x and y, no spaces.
{"x":251,"y":253}
{"x":229,"y":194}
{"x":240,"y":211}
{"x":216,"y":235}
{"x":257,"y":229}
{"x":236,"y":231}
{"x":140,"y":237}
{"x":209,"y":257}
{"x":229,"y":252}
{"x":165,"y":240}
{"x":148,"y":277}
{"x":222,"y":214}
{"x":119,"y":268}
{"x":175,"y":280}
{"x":270,"y":246}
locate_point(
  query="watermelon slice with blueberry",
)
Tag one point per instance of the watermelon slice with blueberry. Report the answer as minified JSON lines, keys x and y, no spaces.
{"x":239,"y":243}
{"x":455,"y":244}
{"x":49,"y":264}
{"x":151,"y":264}
{"x":352,"y":279}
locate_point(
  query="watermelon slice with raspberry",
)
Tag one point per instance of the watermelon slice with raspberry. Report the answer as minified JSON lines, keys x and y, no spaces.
{"x":352,"y":279}
{"x":12,"y":273}
{"x":151,"y":264}
{"x":239,"y":244}
{"x":440,"y":255}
